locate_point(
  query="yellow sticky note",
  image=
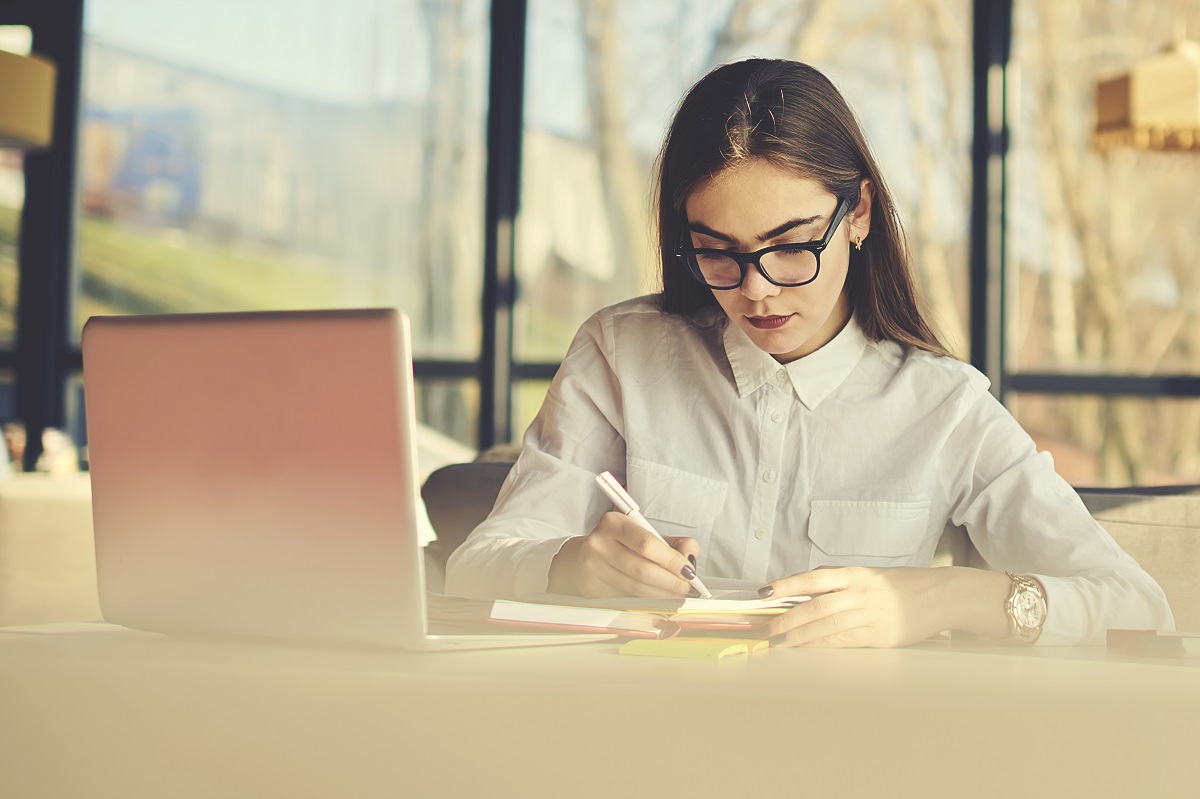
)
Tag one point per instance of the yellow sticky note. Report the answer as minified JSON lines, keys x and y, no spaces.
{"x":758,"y":646}
{"x":693,"y":648}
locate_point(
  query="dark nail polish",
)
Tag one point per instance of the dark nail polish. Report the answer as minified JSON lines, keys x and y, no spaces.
{"x":766,"y":592}
{"x":688,"y":573}
{"x":692,"y":558}
{"x":778,"y":640}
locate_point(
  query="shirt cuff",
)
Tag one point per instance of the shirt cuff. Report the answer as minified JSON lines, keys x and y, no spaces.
{"x":533,"y":573}
{"x":1065,"y":614}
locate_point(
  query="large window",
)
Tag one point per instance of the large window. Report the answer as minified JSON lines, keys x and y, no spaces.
{"x":287,"y":154}
{"x":12,"y":196}
{"x":302,"y":153}
{"x":1102,"y":248}
{"x":14,"y":39}
{"x":603,"y":79}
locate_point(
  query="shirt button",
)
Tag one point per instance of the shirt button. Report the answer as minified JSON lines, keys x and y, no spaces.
{"x":769,"y":476}
{"x":760,"y":534}
{"x":776,"y":416}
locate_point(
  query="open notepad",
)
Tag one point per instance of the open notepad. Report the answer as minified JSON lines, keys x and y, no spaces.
{"x":735,"y":605}
{"x":728,"y":596}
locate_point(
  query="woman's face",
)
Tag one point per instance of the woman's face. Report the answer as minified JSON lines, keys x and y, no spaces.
{"x":756,"y":205}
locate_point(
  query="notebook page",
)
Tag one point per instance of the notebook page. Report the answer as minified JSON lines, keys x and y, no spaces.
{"x":735,"y":601}
{"x":570,"y":615}
{"x":729,"y":588}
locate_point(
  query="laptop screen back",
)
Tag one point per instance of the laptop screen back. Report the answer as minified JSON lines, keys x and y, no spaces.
{"x":255,"y":474}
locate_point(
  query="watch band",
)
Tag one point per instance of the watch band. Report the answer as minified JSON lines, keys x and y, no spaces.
{"x":1026,"y":608}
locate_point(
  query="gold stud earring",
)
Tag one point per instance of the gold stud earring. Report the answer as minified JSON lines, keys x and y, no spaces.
{"x":858,"y":242}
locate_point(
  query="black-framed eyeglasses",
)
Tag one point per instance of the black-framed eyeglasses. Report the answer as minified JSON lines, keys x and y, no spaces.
{"x":785,"y":265}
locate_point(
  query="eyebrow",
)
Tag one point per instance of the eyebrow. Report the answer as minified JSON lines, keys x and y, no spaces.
{"x":791,"y":224}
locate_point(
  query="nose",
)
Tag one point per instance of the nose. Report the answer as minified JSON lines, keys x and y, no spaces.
{"x":755,"y":287}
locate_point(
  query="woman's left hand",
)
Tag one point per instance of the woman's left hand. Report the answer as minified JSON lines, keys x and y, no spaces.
{"x":875,"y":607}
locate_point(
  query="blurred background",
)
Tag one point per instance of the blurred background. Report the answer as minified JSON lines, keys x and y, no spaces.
{"x":486,"y":168}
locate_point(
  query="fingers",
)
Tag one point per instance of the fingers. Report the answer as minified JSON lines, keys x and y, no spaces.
{"x":591,"y":585}
{"x":859,"y":637}
{"x":686,"y":546}
{"x":604,"y":579}
{"x":843,"y":611}
{"x":846,"y":628}
{"x":855,"y":637}
{"x":810,"y":583}
{"x":820,"y":616}
{"x":655,"y":561}
{"x":623,"y":555}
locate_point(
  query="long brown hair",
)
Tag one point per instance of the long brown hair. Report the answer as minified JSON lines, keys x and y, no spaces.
{"x":791,"y":115}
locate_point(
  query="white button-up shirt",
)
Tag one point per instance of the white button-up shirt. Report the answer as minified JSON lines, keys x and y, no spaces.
{"x":857,"y":454}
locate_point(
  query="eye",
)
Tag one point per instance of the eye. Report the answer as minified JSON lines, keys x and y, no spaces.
{"x":794,"y":251}
{"x":710,"y":257}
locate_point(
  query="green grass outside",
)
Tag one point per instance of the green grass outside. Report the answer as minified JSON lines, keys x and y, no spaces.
{"x":9,"y":222}
{"x":126,"y":270}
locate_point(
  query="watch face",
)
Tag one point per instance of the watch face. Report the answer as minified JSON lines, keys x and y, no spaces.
{"x":1029,"y":609}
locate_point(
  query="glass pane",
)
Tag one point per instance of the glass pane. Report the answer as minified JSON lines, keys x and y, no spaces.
{"x":603,"y":79}
{"x":12,"y":200}
{"x":8,"y":396}
{"x":450,"y":409}
{"x":14,"y":39}
{"x":527,"y":401}
{"x":1098,"y":441}
{"x":1102,"y":244}
{"x":14,"y":441}
{"x":285,"y":154}
{"x":76,"y":427}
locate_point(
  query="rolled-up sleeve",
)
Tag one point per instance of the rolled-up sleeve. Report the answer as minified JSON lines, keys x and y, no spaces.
{"x":550,"y":494}
{"x":1023,"y":517}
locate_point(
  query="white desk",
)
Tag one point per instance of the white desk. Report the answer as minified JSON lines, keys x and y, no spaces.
{"x":116,"y":713}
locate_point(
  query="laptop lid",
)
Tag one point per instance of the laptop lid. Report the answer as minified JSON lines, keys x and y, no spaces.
{"x":255,"y":474}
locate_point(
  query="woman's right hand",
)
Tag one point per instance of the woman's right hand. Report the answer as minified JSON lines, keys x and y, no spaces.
{"x":621,"y":558}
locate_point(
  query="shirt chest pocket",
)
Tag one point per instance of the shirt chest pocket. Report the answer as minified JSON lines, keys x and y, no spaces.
{"x":867,"y":533}
{"x":674,"y":501}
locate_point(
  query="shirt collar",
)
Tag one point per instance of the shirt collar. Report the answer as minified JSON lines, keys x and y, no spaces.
{"x":813,"y":377}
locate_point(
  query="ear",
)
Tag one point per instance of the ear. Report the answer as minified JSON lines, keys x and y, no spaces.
{"x":860,"y":216}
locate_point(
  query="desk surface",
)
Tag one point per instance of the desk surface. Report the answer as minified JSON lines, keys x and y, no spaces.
{"x":110,"y":712}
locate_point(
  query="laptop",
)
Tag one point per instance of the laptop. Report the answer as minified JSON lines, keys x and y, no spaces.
{"x":254,"y":475}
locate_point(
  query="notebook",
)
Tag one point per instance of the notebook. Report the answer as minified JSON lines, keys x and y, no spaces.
{"x":728,"y":596}
{"x":734,"y":606}
{"x":254,"y":475}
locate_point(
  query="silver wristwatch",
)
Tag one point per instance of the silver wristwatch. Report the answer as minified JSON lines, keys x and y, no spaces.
{"x":1026,"y":608}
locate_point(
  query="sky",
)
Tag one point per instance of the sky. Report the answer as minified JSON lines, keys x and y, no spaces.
{"x":295,"y":46}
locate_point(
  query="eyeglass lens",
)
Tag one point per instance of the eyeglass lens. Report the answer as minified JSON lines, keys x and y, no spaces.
{"x":782,"y":266}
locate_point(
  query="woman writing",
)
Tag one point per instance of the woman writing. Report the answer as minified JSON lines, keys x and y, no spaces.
{"x":784,"y":414}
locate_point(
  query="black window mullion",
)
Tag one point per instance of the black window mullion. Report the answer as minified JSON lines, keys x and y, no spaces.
{"x":992,"y":36}
{"x":506,"y":89}
{"x":47,"y":228}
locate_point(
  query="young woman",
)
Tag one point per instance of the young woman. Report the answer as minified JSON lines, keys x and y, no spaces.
{"x":783,"y":414}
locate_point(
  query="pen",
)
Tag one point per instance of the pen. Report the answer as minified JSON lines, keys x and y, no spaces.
{"x":620,"y":497}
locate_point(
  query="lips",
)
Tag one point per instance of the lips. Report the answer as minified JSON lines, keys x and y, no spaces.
{"x":768,"y":322}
